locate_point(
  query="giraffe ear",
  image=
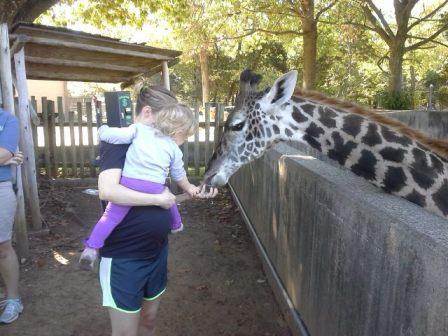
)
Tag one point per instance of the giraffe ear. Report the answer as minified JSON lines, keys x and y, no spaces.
{"x":282,"y":90}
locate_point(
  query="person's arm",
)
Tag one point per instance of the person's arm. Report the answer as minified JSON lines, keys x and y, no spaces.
{"x":5,"y":156}
{"x":9,"y":139}
{"x":111,"y":190}
{"x":117,"y":135}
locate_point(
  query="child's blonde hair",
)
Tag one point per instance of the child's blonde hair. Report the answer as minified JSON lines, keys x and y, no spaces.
{"x":175,"y":118}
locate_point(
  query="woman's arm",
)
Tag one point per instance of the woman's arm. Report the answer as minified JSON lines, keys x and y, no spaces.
{"x":111,"y":190}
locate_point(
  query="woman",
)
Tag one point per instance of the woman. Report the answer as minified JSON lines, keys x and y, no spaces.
{"x":133,"y":267}
{"x":11,"y":307}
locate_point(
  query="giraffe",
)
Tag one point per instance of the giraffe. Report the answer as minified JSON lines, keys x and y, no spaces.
{"x":390,"y":155}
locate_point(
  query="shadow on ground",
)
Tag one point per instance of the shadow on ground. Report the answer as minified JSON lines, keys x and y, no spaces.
{"x":216,"y":282}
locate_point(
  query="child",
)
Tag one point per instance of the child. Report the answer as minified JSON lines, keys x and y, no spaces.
{"x":154,"y":152}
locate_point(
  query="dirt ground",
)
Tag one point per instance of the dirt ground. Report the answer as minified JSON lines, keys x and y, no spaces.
{"x":216,"y":282}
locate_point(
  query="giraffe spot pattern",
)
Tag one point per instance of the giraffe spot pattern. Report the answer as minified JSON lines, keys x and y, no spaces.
{"x":288,"y":132}
{"x":436,"y":163}
{"x":341,"y":150}
{"x":392,"y":136}
{"x":366,"y":165}
{"x":249,"y":137}
{"x":276,"y":129}
{"x":311,"y":133}
{"x":327,"y":117}
{"x":394,"y":179}
{"x":297,"y":116}
{"x":417,"y":198}
{"x":296,"y":99}
{"x":440,"y":198}
{"x":308,"y":109}
{"x":393,"y":154}
{"x":422,"y":173}
{"x":372,"y":138}
{"x":352,"y":124}
{"x":268,"y":132}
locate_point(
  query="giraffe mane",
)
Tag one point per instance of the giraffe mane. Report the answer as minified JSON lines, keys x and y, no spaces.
{"x":438,"y":146}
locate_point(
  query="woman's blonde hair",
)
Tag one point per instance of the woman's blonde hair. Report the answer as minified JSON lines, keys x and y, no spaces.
{"x":175,"y":118}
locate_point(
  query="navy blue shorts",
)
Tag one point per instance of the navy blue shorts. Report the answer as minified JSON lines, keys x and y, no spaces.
{"x":126,"y":282}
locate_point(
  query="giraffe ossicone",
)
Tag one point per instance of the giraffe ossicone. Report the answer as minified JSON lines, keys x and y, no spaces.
{"x":390,"y":155}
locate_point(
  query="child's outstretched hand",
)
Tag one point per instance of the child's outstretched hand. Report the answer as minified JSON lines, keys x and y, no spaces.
{"x":193,"y":191}
{"x":88,"y":258}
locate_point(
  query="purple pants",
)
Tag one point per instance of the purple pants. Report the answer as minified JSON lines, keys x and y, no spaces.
{"x":115,"y":213}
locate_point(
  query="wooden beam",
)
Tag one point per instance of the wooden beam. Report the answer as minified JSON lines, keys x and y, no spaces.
{"x":26,"y":142}
{"x":149,"y":73}
{"x":165,"y":75}
{"x":8,"y":103}
{"x":80,"y":46}
{"x":83,"y":64}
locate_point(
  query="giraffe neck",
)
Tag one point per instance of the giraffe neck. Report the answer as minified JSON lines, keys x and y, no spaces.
{"x":392,"y":161}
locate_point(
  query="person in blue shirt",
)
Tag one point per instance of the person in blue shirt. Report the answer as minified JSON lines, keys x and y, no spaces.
{"x":12,"y":306}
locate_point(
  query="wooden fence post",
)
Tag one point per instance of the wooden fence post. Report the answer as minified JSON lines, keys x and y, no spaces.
{"x":8,"y":103}
{"x":52,"y":132}
{"x":35,"y":137}
{"x":71,"y":118}
{"x":207,"y":133}
{"x":26,"y":142}
{"x":90,"y":138}
{"x":47,"y":144}
{"x":196,"y":142}
{"x":81,"y":141}
{"x":61,"y":119}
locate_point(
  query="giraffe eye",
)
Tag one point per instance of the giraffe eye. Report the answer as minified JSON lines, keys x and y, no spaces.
{"x":237,"y":127}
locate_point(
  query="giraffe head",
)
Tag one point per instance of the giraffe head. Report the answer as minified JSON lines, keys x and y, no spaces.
{"x":252,"y":127}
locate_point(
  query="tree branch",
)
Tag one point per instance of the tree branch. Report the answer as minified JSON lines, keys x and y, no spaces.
{"x":272,"y":32}
{"x":380,"y":15}
{"x":433,"y":41}
{"x":428,"y":15}
{"x":323,"y":10}
{"x":376,"y":26}
{"x":427,"y":39}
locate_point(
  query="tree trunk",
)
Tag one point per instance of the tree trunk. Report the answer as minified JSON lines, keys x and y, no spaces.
{"x":396,"y":67}
{"x":309,"y":52}
{"x":205,"y":78}
{"x":13,"y":11}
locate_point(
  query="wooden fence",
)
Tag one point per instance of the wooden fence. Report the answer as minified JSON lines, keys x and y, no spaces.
{"x":66,"y":142}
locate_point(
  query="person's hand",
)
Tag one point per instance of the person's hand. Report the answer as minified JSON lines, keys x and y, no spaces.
{"x":203,"y":193}
{"x":167,"y":199}
{"x":88,"y":258}
{"x":16,"y":159}
{"x":193,"y":191}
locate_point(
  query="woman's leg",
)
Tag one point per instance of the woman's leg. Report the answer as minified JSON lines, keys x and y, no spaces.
{"x":148,"y":317}
{"x":9,"y":269}
{"x":124,"y":324}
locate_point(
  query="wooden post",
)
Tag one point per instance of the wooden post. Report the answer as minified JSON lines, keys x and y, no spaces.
{"x":71,"y":118}
{"x":26,"y":142}
{"x":52,"y":132}
{"x":47,"y":144}
{"x":196,"y":142}
{"x":165,"y":75}
{"x":34,"y":128}
{"x":207,"y":132}
{"x":90,"y":138}
{"x":81,"y":140}
{"x":185,"y":145}
{"x":61,"y":117}
{"x":8,"y":103}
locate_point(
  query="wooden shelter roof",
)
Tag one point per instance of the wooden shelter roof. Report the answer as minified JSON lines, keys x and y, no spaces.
{"x":54,"y":53}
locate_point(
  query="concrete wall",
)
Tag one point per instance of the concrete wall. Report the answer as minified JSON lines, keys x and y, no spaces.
{"x":353,"y":260}
{"x":434,"y":124}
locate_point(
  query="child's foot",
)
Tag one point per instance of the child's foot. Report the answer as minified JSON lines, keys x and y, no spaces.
{"x":178,"y":229}
{"x":87,"y":259}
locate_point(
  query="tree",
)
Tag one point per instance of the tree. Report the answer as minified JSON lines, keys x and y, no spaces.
{"x":291,"y":18}
{"x":398,"y":39}
{"x":12,"y":11}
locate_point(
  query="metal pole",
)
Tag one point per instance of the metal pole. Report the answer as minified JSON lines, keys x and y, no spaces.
{"x":431,"y":92}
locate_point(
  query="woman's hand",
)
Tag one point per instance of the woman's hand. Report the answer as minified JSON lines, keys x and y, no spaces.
{"x":15,"y":160}
{"x":167,"y":199}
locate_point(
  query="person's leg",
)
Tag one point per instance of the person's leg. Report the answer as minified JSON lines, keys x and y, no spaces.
{"x":9,"y":269}
{"x":148,"y":317}
{"x":124,"y":324}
